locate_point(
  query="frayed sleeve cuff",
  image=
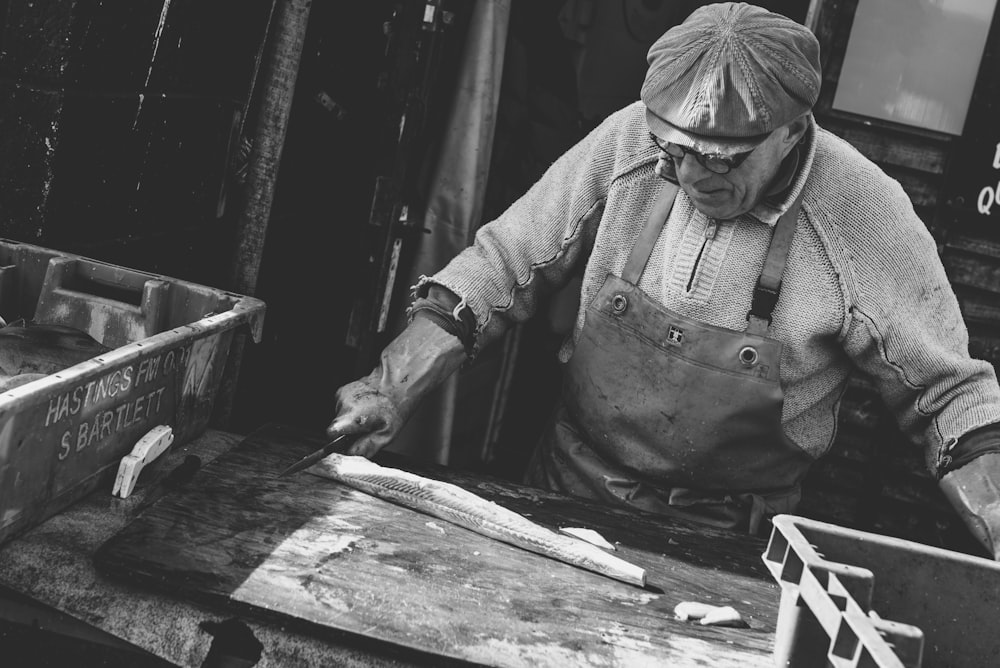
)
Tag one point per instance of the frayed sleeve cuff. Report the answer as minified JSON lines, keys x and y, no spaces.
{"x":446,"y":309}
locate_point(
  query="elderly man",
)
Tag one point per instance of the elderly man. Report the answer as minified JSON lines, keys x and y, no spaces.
{"x":738,"y":262}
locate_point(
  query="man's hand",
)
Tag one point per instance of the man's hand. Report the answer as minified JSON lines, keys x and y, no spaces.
{"x":379,"y":404}
{"x":367,"y":406}
{"x":974,"y":491}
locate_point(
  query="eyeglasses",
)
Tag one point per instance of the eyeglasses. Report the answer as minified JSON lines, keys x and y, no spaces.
{"x":713,"y":162}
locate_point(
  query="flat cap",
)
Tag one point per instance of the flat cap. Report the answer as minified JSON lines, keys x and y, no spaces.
{"x":728,"y":76}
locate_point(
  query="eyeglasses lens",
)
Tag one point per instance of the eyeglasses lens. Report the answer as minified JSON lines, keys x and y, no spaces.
{"x":716,"y":164}
{"x":713,"y":163}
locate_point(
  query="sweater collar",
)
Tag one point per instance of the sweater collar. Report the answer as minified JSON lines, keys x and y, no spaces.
{"x":790,"y":180}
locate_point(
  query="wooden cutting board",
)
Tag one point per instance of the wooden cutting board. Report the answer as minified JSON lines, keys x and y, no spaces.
{"x":356,"y":569}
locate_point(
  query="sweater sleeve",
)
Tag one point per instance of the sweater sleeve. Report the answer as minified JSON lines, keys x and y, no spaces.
{"x":905,"y":327}
{"x":533,"y":247}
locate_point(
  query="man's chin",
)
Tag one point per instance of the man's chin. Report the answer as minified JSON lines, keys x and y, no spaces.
{"x":716,"y":204}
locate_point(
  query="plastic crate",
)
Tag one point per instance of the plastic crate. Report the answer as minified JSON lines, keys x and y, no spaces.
{"x":63,"y":434}
{"x":851,"y":598}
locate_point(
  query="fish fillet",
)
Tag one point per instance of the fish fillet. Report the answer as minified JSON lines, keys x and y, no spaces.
{"x":454,"y":504}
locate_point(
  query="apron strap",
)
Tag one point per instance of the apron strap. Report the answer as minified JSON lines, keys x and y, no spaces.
{"x":643,"y":247}
{"x":765,"y":294}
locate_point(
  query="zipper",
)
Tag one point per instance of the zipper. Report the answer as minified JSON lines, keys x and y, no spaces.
{"x":710,"y":230}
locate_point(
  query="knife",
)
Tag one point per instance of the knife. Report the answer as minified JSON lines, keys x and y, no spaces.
{"x":340,"y":443}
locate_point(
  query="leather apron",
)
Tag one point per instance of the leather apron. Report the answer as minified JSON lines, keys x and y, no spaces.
{"x":671,"y":415}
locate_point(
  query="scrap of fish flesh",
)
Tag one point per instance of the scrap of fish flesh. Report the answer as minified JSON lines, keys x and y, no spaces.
{"x":454,"y":504}
{"x":692,"y":610}
{"x":44,"y":349}
{"x":709,"y":615}
{"x":724,"y":616}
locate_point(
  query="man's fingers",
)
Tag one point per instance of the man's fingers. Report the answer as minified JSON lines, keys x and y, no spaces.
{"x":344,"y":425}
{"x":355,"y":423}
{"x":364,"y":411}
{"x":372,"y":437}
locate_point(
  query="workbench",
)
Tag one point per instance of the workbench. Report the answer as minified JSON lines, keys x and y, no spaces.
{"x":441,"y":594}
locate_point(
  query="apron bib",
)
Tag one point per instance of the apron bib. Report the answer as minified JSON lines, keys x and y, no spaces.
{"x":671,"y":415}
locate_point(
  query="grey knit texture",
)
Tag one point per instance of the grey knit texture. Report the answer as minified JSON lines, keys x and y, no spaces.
{"x":863,"y":286}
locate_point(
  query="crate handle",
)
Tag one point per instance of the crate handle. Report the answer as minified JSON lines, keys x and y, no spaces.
{"x":113,"y":305}
{"x":825,"y":615}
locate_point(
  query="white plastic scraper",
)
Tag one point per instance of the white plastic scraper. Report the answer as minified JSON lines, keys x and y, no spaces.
{"x":149,"y":447}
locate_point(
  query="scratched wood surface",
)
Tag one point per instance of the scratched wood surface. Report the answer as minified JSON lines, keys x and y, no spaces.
{"x":358,"y":570}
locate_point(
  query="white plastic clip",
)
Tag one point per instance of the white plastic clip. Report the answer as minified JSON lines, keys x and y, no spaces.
{"x":149,"y":447}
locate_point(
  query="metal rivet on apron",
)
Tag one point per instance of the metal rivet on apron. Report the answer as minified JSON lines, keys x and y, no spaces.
{"x":748,"y":355}
{"x":619,"y":303}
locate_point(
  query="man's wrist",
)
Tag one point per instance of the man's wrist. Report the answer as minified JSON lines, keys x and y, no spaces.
{"x":442,"y":307}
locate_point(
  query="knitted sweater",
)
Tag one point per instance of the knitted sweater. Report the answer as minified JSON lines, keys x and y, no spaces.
{"x":863,"y":286}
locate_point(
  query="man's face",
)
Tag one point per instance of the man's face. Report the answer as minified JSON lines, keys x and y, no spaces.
{"x":726,"y":196}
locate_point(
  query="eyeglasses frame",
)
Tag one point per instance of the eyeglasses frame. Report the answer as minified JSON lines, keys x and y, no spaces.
{"x":727,"y":163}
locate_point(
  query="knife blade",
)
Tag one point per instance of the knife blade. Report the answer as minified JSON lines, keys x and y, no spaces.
{"x":341,"y":442}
